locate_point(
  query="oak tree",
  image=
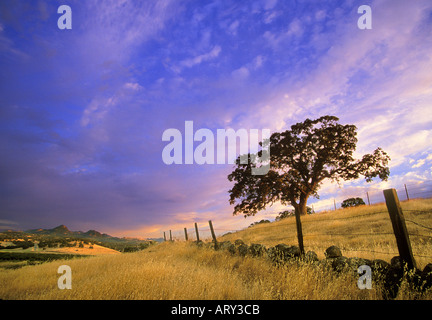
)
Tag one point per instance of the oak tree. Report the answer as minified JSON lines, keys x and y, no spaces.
{"x":352,"y":202}
{"x":300,"y":160}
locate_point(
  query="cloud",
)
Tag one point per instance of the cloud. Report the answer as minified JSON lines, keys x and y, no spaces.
{"x":8,"y":48}
{"x":258,"y":62}
{"x":8,"y":224}
{"x":212,"y":54}
{"x":116,"y":27}
{"x":335,"y":79}
{"x":270,"y":4}
{"x":295,"y":28}
{"x":83,"y":145}
{"x":419,"y":163}
{"x":378,"y":81}
{"x":233,"y":27}
{"x":320,"y":15}
{"x":96,"y":110}
{"x":132,"y":86}
{"x":240,"y":73}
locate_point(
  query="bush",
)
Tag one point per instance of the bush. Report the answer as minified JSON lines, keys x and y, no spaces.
{"x":284,"y":214}
{"x":259,"y":222}
{"x":352,"y":202}
{"x":289,"y":213}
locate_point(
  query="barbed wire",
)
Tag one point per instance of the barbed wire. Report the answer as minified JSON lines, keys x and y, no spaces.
{"x":420,"y":225}
{"x":409,"y":192}
{"x":370,"y":251}
{"x":312,"y":221}
{"x":374,"y":196}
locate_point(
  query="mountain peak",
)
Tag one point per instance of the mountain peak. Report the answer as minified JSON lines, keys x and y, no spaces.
{"x":61,"y":227}
{"x":62,"y":230}
{"x":93,"y":233}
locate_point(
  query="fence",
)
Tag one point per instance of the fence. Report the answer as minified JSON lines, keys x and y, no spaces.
{"x":206,"y":231}
{"x":391,"y":273}
{"x":199,"y":231}
{"x":371,"y":196}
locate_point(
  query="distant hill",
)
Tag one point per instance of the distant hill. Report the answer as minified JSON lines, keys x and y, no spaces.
{"x":62,"y":230}
{"x":61,"y":235}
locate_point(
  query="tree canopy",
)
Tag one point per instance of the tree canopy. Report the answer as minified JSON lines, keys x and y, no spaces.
{"x":300,"y":160}
{"x":352,"y":202}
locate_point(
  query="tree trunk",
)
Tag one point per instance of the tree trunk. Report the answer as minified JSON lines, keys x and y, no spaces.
{"x":299,"y":210}
{"x":302,"y":208}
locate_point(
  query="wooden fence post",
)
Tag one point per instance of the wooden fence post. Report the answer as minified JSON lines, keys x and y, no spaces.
{"x":213,"y":233}
{"x":186,"y":236}
{"x":399,"y":227}
{"x":170,"y":236}
{"x":367,"y":194}
{"x":406,"y":191}
{"x":164,"y":236}
{"x":197,"y":233}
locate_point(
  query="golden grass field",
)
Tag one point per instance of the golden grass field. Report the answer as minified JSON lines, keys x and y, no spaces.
{"x":181,"y":270}
{"x":87,"y":249}
{"x":364,"y":231}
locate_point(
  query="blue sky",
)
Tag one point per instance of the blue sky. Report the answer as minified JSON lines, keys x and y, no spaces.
{"x":82,"y":111}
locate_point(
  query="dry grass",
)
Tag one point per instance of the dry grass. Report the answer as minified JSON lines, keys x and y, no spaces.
{"x":87,"y":249}
{"x":364,"y":231}
{"x":179,"y":271}
{"x":182,"y":270}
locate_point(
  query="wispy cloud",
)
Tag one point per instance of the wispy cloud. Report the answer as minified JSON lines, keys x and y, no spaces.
{"x":114,"y":28}
{"x":83,"y":144}
{"x":377,"y":80}
{"x":212,"y":54}
{"x":8,"y":49}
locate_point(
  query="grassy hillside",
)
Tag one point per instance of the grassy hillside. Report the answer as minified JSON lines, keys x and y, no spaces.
{"x":364,"y":231}
{"x":181,"y":270}
{"x":184,"y":271}
{"x":85,"y":249}
{"x":178,"y":271}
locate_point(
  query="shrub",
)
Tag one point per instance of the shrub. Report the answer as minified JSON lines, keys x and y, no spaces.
{"x":289,"y":213}
{"x":259,"y":222}
{"x":352,"y":202}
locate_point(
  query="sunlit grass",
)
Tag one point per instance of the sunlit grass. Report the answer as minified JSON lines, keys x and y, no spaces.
{"x":364,"y":231}
{"x":182,"y":270}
